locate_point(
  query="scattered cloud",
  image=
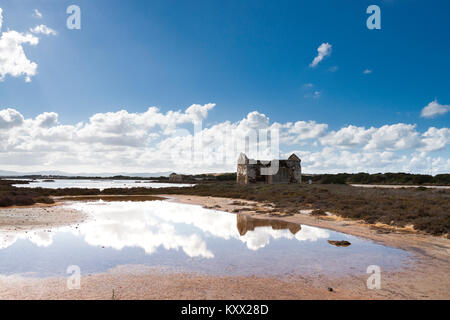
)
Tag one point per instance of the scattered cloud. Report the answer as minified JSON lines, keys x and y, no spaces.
{"x":314,"y":94}
{"x":13,"y":60}
{"x":37,"y":14}
{"x":155,"y":141}
{"x":43,"y":29}
{"x":310,"y":93}
{"x":434,"y":109}
{"x":333,"y":69}
{"x":323,"y":51}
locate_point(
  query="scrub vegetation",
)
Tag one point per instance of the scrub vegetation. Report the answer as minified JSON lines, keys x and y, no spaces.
{"x":11,"y":196}
{"x":427,"y":209}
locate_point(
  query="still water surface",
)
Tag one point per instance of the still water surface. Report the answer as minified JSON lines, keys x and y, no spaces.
{"x":98,"y":184}
{"x":188,"y":238}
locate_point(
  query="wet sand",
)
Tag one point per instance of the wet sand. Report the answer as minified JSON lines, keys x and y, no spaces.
{"x":428,"y":278}
{"x":405,"y":238}
{"x":125,"y":282}
{"x":38,"y":217}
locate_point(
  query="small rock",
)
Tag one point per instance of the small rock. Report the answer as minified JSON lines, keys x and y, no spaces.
{"x":340,"y":243}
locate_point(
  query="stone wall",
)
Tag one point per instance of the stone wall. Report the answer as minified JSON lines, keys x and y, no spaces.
{"x":176,"y":177}
{"x":253,"y":171}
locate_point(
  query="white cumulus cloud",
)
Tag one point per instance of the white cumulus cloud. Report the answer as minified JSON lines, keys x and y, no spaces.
{"x":47,"y":119}
{"x":394,"y":137}
{"x":323,"y":51}
{"x":434,"y":109}
{"x":13,"y":60}
{"x":10,"y":118}
{"x":43,"y":29}
{"x":156,"y":141}
{"x":303,"y":130}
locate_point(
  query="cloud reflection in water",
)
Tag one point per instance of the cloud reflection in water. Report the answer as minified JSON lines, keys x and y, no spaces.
{"x":161,"y":224}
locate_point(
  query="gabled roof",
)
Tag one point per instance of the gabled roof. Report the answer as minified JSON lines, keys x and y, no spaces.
{"x":242,"y":159}
{"x":294,"y":157}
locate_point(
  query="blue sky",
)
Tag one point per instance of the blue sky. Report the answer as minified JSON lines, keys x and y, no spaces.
{"x":243,"y":56}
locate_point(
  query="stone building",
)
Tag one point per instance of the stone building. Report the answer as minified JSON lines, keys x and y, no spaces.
{"x":271,"y":172}
{"x":173,"y":177}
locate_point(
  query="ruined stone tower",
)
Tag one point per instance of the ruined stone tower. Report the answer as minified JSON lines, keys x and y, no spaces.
{"x":275,"y":171}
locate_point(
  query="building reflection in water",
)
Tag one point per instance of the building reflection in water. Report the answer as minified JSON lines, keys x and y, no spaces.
{"x":246,"y":223}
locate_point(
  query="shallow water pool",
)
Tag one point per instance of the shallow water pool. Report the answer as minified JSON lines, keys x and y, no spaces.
{"x":188,"y":238}
{"x":98,"y":184}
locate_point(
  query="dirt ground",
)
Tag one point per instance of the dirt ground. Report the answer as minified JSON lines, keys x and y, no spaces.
{"x":38,"y":217}
{"x":427,"y":278}
{"x":126,"y":283}
{"x":404,"y":238}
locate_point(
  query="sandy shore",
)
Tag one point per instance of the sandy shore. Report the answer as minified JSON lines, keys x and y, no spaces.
{"x":126,"y":282}
{"x":404,"y":238}
{"x":22,"y":219}
{"x":427,"y":278}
